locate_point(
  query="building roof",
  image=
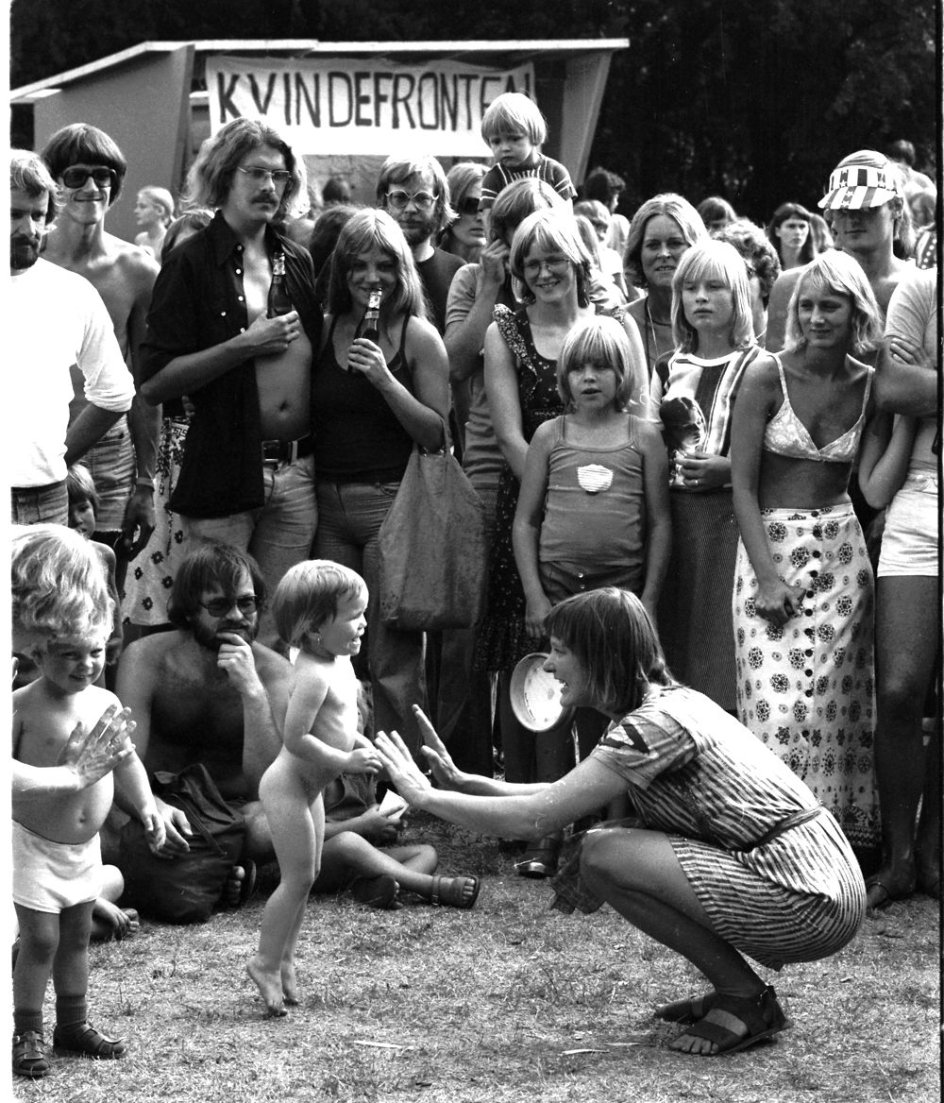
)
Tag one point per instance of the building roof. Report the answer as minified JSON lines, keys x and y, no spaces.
{"x":305,"y":47}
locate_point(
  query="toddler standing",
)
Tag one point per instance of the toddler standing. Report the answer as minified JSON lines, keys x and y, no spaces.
{"x":318,"y":607}
{"x":57,"y":865}
{"x":515,"y":130}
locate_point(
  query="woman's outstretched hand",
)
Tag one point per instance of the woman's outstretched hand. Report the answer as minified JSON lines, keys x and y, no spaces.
{"x":408,"y":780}
{"x":445,"y":771}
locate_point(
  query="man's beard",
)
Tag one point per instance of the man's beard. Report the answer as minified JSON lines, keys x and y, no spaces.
{"x":422,"y":229}
{"x":24,"y":253}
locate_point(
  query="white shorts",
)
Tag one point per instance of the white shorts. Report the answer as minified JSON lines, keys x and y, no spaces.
{"x":50,"y":876}
{"x":910,"y":537}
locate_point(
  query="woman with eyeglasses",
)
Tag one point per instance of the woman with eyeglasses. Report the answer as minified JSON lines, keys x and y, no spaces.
{"x":374,"y":398}
{"x":465,"y":237}
{"x":552,"y":270}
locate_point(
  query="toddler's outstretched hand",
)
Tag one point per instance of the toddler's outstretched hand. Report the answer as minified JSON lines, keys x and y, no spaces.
{"x":363,"y":760}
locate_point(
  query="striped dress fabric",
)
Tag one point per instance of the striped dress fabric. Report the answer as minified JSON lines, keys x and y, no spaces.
{"x":698,"y":775}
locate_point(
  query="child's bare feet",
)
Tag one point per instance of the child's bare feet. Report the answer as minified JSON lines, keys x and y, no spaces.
{"x":289,"y":987}
{"x":270,"y":988}
{"x":109,"y":921}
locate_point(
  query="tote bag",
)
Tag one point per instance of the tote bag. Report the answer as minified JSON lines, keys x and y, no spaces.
{"x":433,"y":548}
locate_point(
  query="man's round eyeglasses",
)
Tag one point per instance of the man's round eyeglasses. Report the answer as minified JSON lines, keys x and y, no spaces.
{"x":258,"y":175}
{"x":219,"y":606}
{"x":400,"y":200}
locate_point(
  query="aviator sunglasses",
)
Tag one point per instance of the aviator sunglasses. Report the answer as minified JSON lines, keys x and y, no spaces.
{"x":218,"y":606}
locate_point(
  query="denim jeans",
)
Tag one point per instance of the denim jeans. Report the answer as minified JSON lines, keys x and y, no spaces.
{"x":349,"y":520}
{"x":36,"y":505}
{"x":277,"y":535}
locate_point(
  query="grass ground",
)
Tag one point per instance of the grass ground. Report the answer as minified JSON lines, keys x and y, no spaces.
{"x":509,"y":1003}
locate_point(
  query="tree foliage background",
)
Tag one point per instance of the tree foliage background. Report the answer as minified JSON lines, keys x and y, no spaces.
{"x":755,"y":101}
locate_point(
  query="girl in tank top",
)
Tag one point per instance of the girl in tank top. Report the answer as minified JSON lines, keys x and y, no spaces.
{"x":594,"y":504}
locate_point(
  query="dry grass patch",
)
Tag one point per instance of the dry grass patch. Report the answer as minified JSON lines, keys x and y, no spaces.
{"x":508,"y":1003}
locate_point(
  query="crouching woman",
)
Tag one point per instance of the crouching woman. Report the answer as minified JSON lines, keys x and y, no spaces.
{"x":732,"y":856}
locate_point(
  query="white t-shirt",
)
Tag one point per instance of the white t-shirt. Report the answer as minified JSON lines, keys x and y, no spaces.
{"x":56,"y":319}
{"x":912,"y":313}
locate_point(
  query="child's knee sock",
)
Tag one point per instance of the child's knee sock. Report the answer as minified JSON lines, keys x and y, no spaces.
{"x":27,"y":1020}
{"x":71,"y":1011}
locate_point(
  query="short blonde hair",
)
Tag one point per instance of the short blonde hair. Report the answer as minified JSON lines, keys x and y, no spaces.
{"x":309,"y":594}
{"x":512,"y":113}
{"x":712,"y":259}
{"x":839,"y":273}
{"x":602,"y":340}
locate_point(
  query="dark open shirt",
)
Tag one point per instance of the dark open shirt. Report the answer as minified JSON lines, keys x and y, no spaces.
{"x":199,"y":302}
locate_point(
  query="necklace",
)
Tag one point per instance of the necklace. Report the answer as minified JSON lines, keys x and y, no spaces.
{"x":652,"y":341}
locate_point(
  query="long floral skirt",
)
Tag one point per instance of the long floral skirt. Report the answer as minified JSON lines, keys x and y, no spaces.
{"x":807,"y":689}
{"x":151,"y":573}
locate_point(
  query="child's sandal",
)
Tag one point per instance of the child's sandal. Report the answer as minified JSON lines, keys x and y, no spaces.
{"x":29,"y":1055}
{"x":86,"y":1041}
{"x":454,"y":892}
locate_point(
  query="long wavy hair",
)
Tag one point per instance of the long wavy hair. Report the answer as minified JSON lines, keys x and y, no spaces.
{"x":375,"y":229}
{"x":211,"y":175}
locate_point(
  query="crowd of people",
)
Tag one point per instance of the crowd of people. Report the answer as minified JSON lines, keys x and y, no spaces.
{"x":695,"y":442}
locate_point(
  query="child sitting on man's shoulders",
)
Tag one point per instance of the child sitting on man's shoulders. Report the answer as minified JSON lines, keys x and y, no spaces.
{"x":515,"y":130}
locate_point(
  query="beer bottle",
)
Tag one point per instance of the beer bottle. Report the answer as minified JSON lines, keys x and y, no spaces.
{"x":370,"y":325}
{"x":278,"y":302}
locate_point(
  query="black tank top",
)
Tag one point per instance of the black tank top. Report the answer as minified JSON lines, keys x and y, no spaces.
{"x":357,"y":436}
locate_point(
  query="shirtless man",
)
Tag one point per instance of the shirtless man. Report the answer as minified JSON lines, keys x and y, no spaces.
{"x":208,"y":692}
{"x":865,"y":210}
{"x":89,"y":169}
{"x":247,"y":477}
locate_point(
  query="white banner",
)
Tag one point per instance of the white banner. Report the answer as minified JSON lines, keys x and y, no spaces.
{"x":375,"y":106}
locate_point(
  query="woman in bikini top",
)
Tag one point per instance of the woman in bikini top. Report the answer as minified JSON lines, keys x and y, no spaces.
{"x":800,"y":415}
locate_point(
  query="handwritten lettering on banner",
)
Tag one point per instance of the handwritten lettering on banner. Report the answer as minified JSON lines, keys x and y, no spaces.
{"x":375,"y":106}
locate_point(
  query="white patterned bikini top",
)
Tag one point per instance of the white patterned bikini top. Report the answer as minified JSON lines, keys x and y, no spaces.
{"x":786,"y":435}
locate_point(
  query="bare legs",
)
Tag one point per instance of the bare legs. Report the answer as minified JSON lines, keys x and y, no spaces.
{"x":906,"y":650}
{"x":637,"y":873}
{"x":297,"y":825}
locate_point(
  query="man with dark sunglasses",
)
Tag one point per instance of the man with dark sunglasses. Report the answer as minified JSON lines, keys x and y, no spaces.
{"x":54,"y":319}
{"x":89,"y":169}
{"x":209,"y":692}
{"x":247,"y":476}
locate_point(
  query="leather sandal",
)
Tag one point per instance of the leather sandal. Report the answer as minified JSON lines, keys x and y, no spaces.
{"x":455,"y":892}
{"x":29,"y":1055}
{"x":686,"y":1011}
{"x":86,"y":1041}
{"x":761,"y":1015}
{"x":540,"y":860}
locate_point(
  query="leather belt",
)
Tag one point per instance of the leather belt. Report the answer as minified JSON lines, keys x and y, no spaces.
{"x":287,"y":451}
